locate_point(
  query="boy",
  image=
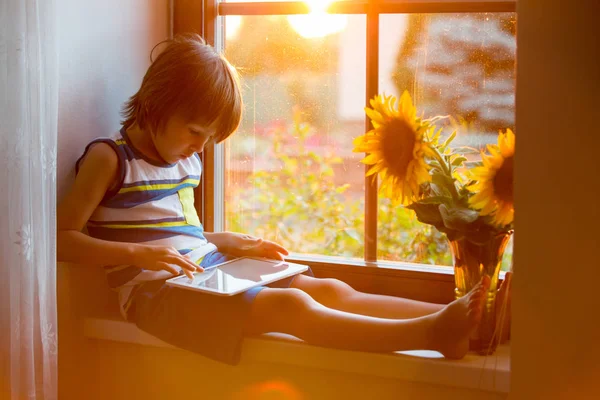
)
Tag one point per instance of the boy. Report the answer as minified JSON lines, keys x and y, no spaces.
{"x":134,"y":192}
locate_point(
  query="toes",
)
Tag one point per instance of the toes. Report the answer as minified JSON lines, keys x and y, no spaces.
{"x":474,"y":306}
{"x":483,"y":284}
{"x":476,"y":297}
{"x":474,"y":314}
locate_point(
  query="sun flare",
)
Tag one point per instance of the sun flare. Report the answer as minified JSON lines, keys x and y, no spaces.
{"x":318,"y":23}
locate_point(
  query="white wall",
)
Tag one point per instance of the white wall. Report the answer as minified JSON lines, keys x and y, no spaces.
{"x":556,"y":332}
{"x":104,"y":52}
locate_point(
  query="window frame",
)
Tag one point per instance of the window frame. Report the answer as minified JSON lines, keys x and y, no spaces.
{"x":417,"y":281}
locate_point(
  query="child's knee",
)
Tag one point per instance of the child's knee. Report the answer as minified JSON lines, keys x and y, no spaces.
{"x":329,"y":288}
{"x":292,"y":301}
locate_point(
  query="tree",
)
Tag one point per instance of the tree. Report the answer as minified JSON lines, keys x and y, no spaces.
{"x":462,"y":65}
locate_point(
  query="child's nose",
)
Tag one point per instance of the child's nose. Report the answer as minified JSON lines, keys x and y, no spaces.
{"x":198,"y":146}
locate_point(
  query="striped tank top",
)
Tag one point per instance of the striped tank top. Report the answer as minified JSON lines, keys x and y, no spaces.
{"x":153,"y":203}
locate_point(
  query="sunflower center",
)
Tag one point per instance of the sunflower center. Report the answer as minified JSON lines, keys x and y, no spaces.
{"x":398,"y":144}
{"x":503,"y":181}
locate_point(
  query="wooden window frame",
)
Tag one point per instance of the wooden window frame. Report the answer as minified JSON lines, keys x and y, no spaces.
{"x":421,"y":282}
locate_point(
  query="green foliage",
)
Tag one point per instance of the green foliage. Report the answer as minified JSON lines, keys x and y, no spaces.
{"x":402,"y":237}
{"x":444,"y":202}
{"x":301,"y":207}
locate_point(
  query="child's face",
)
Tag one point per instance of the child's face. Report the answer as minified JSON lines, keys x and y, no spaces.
{"x":180,"y":139}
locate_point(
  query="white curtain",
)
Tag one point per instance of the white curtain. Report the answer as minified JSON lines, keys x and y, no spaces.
{"x":28,"y":125}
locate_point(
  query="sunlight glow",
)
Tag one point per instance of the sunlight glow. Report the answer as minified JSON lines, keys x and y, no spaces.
{"x":232,"y":26}
{"x":317,"y":6}
{"x":318,"y":23}
{"x":271,"y":389}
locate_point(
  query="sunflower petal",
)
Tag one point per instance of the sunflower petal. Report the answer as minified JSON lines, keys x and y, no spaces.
{"x":375,"y":169}
{"x":372,"y":158}
{"x":406,"y":106}
{"x":505,"y":214}
{"x":506,"y":142}
{"x":488,"y":208}
{"x":374,"y":115}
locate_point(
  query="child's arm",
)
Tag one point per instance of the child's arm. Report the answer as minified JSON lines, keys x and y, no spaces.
{"x":240,"y":244}
{"x":97,"y":174}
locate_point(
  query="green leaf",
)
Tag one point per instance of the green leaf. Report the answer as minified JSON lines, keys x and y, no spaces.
{"x":438,"y":191}
{"x":435,"y":200}
{"x":445,"y":182}
{"x":435,"y":167}
{"x":466,"y":150}
{"x":427,"y":213}
{"x":449,"y":140}
{"x":458,"y":218}
{"x":436,"y":136}
{"x":457,"y":162}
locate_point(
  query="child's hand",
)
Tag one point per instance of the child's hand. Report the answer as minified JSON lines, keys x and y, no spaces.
{"x":240,"y":244}
{"x":158,"y":258}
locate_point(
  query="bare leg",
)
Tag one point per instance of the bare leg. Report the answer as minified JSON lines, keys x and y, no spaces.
{"x":294,"y":312}
{"x":338,"y":295}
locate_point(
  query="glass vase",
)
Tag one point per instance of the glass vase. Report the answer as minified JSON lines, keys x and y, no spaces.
{"x":471,"y":262}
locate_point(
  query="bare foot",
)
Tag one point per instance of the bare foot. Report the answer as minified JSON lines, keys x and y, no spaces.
{"x":454,"y":323}
{"x":503,"y":309}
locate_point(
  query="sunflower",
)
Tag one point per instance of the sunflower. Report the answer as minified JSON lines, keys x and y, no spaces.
{"x":396,"y":147}
{"x":493,"y":191}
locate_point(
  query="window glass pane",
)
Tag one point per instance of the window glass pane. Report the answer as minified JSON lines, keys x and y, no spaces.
{"x":461,"y":65}
{"x":318,"y":3}
{"x":291,"y":175}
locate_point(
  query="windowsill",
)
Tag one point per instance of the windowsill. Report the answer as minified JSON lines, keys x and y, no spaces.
{"x":491,"y":373}
{"x":424,"y":282}
{"x":381,"y":266}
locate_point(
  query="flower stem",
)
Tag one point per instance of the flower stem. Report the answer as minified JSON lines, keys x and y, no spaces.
{"x":446,"y":169}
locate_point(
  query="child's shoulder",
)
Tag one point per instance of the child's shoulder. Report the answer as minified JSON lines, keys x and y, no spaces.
{"x":112,"y":140}
{"x":99,"y":155}
{"x":102,"y":151}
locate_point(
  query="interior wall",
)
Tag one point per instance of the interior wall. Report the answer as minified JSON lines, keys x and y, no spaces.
{"x":555,"y":333}
{"x":104,"y":52}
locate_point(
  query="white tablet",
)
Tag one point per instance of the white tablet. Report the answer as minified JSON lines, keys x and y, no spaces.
{"x":237,"y":276}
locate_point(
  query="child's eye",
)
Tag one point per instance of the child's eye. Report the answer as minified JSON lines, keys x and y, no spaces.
{"x":193,"y":132}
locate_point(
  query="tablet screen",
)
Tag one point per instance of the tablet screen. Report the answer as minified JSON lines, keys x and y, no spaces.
{"x":239,"y":275}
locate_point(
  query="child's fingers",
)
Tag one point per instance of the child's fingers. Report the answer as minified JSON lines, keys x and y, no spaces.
{"x":186,"y":264}
{"x":274,"y":247}
{"x":197,"y":267}
{"x":169,"y":268}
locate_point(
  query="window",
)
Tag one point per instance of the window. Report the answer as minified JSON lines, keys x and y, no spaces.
{"x":290,"y":174}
